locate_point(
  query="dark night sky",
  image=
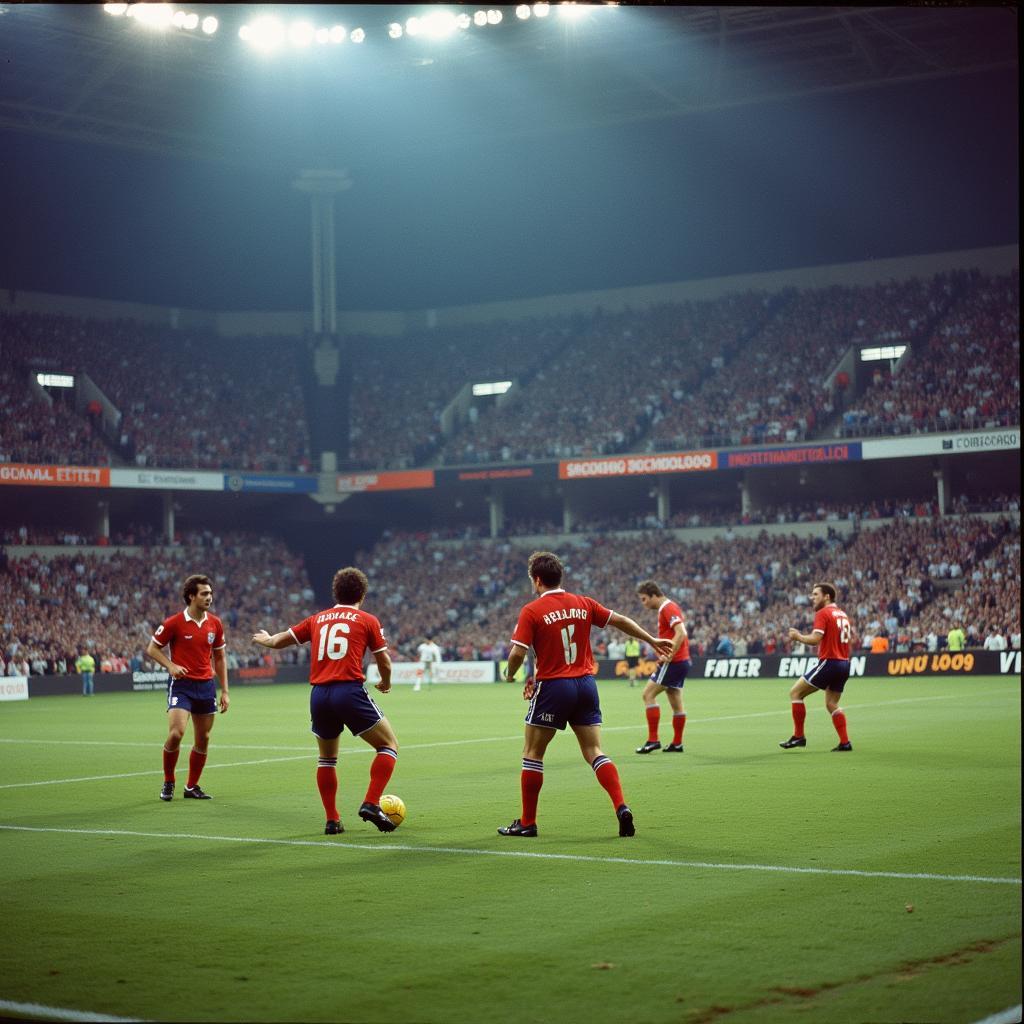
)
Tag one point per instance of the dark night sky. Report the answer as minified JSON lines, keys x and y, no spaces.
{"x":925,"y":167}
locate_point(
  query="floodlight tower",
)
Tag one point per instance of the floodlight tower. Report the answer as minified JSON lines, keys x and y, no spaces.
{"x":322,"y":186}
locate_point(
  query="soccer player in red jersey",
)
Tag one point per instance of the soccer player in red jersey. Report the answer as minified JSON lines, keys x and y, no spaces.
{"x":193,"y":637}
{"x":671,"y":674}
{"x":339,"y":638}
{"x":557,"y":626}
{"x":832,"y":635}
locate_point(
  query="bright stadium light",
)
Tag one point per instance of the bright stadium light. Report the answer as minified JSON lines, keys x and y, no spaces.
{"x":541,"y":10}
{"x":439,"y":24}
{"x":179,"y":19}
{"x":210,"y":24}
{"x":152,"y":15}
{"x":493,"y":17}
{"x":266,"y":33}
{"x":572,"y":10}
{"x":338,"y":34}
{"x":55,"y":380}
{"x":523,"y":12}
{"x":245,"y":33}
{"x":300,"y":33}
{"x":115,"y":8}
{"x":395,"y":30}
{"x":498,"y":387}
{"x":323,"y":35}
{"x":463,"y":20}
{"x":871,"y":355}
{"x":358,"y":35}
{"x":412,"y":27}
{"x":480,"y":18}
{"x":191,"y":21}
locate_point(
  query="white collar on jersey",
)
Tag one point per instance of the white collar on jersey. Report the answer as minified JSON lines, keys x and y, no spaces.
{"x":198,"y":622}
{"x":352,"y":606}
{"x":557,"y":590}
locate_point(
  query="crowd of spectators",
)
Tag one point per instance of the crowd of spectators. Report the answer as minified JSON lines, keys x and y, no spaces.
{"x":964,"y":376}
{"x":110,"y":604}
{"x":36,"y":428}
{"x":186,"y":398}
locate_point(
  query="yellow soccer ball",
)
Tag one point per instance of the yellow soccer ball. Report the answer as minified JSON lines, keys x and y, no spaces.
{"x":394,"y":807}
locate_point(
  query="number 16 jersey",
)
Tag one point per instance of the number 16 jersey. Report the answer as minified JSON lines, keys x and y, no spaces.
{"x":557,"y":625}
{"x":339,"y":638}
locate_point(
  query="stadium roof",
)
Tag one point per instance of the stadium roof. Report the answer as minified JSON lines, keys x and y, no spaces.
{"x":74,"y":73}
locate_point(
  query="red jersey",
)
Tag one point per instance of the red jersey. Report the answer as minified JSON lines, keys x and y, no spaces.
{"x":557,"y":625}
{"x":192,"y":642}
{"x":339,"y":638}
{"x":835,"y":629}
{"x":669,"y":615}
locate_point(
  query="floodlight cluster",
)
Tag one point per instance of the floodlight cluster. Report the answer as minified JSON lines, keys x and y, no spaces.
{"x":164,"y":16}
{"x":269,"y":33}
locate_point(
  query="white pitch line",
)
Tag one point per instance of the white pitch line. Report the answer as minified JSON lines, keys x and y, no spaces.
{"x":57,"y":1013}
{"x":575,"y":858}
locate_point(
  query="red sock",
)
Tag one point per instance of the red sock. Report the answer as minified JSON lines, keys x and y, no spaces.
{"x":531,"y":778}
{"x":196,"y":761}
{"x":327,"y":783}
{"x":380,"y":774}
{"x":799,"y":714}
{"x":170,"y":760}
{"x":653,"y":718}
{"x":839,"y":721}
{"x":678,"y":725}
{"x":608,"y":775}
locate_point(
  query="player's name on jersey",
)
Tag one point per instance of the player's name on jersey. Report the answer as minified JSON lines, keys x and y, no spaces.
{"x":347,"y":614}
{"x":565,"y":613}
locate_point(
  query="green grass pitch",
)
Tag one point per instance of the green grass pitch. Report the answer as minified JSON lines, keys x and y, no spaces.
{"x":240,"y":909}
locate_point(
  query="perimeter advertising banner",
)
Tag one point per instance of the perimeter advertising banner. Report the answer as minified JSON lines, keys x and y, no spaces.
{"x":391,"y":480}
{"x":534,"y":471}
{"x":637,"y":465}
{"x":943,"y":444}
{"x":283,"y":483}
{"x":13,"y":687}
{"x":54,"y":476}
{"x":789,"y":455}
{"x":446,"y":672}
{"x":167,"y":479}
{"x":776,"y":666}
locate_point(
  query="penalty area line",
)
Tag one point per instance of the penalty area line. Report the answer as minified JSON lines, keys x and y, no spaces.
{"x":57,"y":1013}
{"x":919,"y":876}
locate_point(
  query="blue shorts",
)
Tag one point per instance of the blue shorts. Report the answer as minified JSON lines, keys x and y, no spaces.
{"x":335,"y":706}
{"x":672,"y":674}
{"x":829,"y":674}
{"x":560,"y":702}
{"x":193,"y":696}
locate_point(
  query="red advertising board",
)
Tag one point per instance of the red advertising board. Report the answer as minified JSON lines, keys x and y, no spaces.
{"x":637,"y":465}
{"x":29,"y":475}
{"x":392,"y":480}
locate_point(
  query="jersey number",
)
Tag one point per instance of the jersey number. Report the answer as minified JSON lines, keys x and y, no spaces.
{"x":567,"y":644}
{"x":332,"y":643}
{"x":844,"y":629}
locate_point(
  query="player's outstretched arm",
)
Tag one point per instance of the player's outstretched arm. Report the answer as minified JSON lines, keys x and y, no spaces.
{"x":275,"y":642}
{"x":623,"y":622}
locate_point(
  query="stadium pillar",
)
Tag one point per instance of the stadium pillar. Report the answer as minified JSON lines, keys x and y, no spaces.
{"x":942,"y":488}
{"x":664,"y":504}
{"x":322,"y":187}
{"x":566,"y":514}
{"x":103,"y":520}
{"x":168,"y":516}
{"x":744,"y":495}
{"x":496,"y":500}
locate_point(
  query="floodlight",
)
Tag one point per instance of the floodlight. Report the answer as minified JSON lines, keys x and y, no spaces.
{"x":266,"y":32}
{"x":245,"y":33}
{"x":573,"y":10}
{"x":463,"y":20}
{"x":178,"y":20}
{"x":395,"y":30}
{"x":480,"y":18}
{"x":191,"y":21}
{"x":300,"y":33}
{"x":358,"y":35}
{"x":115,"y":8}
{"x":412,"y":27}
{"x":152,"y":15}
{"x":493,"y":17}
{"x":337,"y":34}
{"x":540,"y":10}
{"x":523,"y":12}
{"x":210,"y":24}
{"x":323,"y":35}
{"x":439,"y":23}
